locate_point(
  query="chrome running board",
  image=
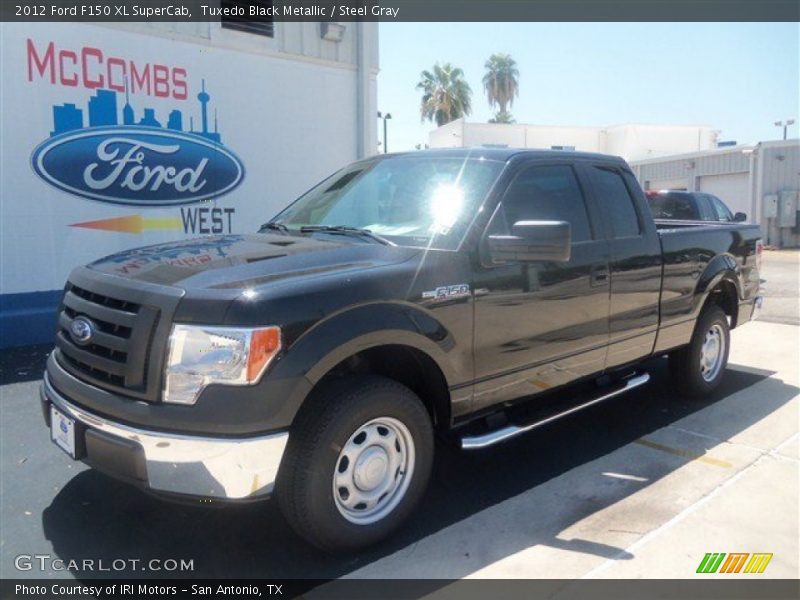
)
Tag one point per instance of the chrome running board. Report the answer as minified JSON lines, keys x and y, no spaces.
{"x":474,"y":442}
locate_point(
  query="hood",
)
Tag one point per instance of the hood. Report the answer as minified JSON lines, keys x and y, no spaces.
{"x":244,"y":261}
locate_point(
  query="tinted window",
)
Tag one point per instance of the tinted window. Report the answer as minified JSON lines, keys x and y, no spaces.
{"x":707,"y":212}
{"x":547,"y":194}
{"x":673,"y":206}
{"x":616,"y":201}
{"x":722,"y":211}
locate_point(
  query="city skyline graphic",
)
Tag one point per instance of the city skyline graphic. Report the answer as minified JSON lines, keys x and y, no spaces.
{"x":102,"y":112}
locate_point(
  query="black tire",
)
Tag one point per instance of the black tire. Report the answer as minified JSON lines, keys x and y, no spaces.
{"x":326,"y":423}
{"x":686,"y":365}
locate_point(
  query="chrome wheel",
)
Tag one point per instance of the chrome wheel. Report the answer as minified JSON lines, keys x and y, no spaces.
{"x":373,"y":470}
{"x":712,"y":353}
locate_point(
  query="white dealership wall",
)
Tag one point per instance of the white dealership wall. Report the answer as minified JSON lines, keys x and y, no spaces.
{"x":630,"y":141}
{"x":293,"y":108}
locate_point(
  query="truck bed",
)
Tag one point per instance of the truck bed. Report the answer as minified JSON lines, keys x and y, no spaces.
{"x":675,"y":224}
{"x":688,"y":248}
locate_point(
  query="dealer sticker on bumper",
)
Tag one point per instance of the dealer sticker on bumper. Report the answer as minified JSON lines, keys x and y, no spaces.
{"x":62,"y":431}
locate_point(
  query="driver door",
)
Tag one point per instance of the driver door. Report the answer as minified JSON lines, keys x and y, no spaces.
{"x":539,"y":325}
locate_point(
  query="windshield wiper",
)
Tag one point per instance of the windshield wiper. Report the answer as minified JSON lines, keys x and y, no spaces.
{"x":345,"y":230}
{"x":274,"y":225}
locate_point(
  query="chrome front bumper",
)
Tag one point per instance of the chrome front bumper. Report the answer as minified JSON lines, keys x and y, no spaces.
{"x":221,"y":468}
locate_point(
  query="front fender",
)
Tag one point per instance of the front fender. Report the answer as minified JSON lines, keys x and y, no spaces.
{"x":356,"y":329}
{"x":353,"y":330}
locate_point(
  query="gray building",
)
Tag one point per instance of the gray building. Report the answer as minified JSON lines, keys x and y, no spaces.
{"x":761,"y":180}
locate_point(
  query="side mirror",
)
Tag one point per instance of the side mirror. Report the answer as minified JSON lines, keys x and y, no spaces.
{"x":532,"y":241}
{"x":739,"y":217}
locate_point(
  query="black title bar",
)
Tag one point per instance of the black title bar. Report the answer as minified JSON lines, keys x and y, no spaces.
{"x":372,"y":589}
{"x":398,"y":10}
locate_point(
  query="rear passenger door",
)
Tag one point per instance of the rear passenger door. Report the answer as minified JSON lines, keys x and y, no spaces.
{"x":539,"y":325}
{"x":635,"y":263}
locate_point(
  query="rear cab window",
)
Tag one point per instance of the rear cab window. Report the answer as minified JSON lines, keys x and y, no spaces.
{"x":616,"y":201}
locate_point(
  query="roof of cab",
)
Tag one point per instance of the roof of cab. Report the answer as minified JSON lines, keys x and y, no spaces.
{"x":505,"y":154}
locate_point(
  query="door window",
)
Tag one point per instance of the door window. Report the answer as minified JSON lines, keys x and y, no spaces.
{"x":707,"y":212}
{"x":723,"y":212}
{"x":616,"y":202}
{"x":545,"y":193}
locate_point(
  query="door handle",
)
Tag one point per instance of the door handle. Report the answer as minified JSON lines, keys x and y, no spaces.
{"x":599,"y":275}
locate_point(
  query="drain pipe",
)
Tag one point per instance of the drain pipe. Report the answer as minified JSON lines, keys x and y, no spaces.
{"x":365,"y":117}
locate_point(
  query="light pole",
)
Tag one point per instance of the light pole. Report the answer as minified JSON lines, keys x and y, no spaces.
{"x":385,"y":118}
{"x":785,"y":124}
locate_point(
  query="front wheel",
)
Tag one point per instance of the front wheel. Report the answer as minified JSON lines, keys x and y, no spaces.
{"x":358,"y":460}
{"x":697,"y":369}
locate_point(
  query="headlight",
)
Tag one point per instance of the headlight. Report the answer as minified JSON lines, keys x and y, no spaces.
{"x":201,"y":355}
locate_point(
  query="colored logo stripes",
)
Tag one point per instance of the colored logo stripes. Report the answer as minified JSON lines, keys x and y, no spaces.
{"x":131,"y":224}
{"x":734,"y":562}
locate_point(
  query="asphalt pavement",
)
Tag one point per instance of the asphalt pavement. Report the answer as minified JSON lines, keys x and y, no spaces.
{"x":639,"y":486}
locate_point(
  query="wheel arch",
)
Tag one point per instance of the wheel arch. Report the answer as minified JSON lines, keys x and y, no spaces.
{"x":404,"y":364}
{"x":719,"y":284}
{"x":397,"y":341}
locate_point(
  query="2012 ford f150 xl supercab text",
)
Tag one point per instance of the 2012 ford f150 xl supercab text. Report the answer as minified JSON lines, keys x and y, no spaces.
{"x":479,"y":292}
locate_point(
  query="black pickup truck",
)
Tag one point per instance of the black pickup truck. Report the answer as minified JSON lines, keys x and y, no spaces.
{"x":477,"y":292}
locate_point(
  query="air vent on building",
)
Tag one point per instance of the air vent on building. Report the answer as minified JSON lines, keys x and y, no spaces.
{"x":242,"y":20}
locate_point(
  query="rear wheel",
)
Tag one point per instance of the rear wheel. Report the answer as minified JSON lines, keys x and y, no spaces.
{"x":697,"y":369}
{"x":358,"y":460}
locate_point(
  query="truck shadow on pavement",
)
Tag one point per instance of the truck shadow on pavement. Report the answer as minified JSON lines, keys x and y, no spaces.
{"x":26,"y":363}
{"x":94,"y":517}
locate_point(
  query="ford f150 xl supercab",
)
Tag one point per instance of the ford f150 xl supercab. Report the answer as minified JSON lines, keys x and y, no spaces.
{"x":480,"y":292}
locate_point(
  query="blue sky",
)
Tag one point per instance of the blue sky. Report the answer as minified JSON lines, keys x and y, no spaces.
{"x":736,"y":77}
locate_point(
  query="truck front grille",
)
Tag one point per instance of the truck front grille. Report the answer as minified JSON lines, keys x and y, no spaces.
{"x":117,"y":355}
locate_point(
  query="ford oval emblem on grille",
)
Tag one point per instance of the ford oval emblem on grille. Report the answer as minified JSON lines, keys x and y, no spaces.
{"x":82,"y":330}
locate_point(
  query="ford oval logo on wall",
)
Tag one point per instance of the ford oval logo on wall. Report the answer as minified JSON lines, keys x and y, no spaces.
{"x":139,"y":163}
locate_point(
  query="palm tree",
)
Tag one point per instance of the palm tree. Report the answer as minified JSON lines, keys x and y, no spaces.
{"x":446,"y":95}
{"x":503,"y":117}
{"x":501,"y":84}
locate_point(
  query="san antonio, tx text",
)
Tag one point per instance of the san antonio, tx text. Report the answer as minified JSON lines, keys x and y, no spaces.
{"x":287,"y":10}
{"x":130,"y":589}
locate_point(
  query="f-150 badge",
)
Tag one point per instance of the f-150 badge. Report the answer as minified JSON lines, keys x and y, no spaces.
{"x":447,"y":292}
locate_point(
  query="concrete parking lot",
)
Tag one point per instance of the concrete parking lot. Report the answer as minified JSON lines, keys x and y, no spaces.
{"x":641,"y":486}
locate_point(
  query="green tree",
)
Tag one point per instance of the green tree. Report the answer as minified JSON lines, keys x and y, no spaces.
{"x":503,"y":117}
{"x":446,"y":95}
{"x":501,"y":84}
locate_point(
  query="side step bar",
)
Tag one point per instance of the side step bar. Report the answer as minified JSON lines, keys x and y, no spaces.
{"x":475,"y":442}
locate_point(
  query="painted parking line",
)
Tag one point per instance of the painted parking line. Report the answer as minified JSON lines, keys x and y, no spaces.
{"x":683,"y":453}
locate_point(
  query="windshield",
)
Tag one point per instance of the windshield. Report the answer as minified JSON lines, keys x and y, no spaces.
{"x":410,"y":201}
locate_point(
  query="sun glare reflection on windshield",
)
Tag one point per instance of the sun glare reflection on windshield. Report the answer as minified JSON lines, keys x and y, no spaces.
{"x":446,"y":205}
